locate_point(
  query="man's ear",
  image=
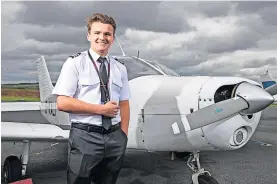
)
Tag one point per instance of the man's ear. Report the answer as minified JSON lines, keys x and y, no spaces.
{"x":88,"y":36}
{"x":113,"y":38}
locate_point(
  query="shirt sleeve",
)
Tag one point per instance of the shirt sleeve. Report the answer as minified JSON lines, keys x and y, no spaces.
{"x":125,"y":93}
{"x":68,"y":79}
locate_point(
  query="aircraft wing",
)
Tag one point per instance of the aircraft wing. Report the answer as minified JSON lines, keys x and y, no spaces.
{"x":20,"y":106}
{"x":16,"y":131}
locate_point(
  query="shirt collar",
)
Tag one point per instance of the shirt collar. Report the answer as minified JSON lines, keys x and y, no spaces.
{"x":95,"y":56}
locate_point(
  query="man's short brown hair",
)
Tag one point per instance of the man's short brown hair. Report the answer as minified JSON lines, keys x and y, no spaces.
{"x":98,"y":17}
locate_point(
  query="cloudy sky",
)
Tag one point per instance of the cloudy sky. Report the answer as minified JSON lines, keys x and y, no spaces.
{"x":192,"y":38}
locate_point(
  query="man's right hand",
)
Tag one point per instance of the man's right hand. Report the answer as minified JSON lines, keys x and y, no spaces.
{"x":110,"y":109}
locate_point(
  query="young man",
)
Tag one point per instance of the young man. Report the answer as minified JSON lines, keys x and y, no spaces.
{"x":93,"y":87}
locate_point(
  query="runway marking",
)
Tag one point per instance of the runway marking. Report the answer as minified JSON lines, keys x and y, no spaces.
{"x":39,"y":153}
{"x":54,"y":144}
{"x":262,"y":143}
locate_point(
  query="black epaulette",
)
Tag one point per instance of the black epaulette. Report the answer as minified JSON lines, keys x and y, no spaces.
{"x":75,"y":55}
{"x":119,"y":60}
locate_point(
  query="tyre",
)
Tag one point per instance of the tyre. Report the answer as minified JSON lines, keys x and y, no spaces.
{"x":12,"y":169}
{"x":206,"y":179}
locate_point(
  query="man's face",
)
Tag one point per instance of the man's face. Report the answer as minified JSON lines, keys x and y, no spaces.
{"x":101,"y":37}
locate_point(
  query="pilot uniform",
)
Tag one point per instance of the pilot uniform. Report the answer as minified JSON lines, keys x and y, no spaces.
{"x":95,"y":154}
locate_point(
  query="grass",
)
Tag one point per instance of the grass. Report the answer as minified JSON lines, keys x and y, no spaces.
{"x":19,"y":99}
{"x":19,"y":95}
{"x":273,"y":105}
{"x":20,"y":86}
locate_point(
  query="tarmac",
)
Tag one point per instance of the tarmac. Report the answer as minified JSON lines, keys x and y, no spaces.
{"x":255,"y":163}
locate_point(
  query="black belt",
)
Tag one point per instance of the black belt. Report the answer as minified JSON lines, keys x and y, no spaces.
{"x":95,"y":128}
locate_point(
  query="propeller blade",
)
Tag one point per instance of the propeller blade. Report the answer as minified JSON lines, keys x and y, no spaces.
{"x":272,"y":89}
{"x":215,"y":112}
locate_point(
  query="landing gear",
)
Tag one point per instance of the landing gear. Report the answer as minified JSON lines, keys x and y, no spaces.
{"x":200,"y":176}
{"x":15,"y":168}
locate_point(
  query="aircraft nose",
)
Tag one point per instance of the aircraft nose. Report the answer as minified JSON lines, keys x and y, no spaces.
{"x":256,"y":97}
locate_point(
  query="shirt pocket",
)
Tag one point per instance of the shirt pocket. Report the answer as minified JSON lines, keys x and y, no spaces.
{"x":89,"y":88}
{"x":88,"y":81}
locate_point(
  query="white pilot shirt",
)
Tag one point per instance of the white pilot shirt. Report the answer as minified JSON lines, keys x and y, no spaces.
{"x":79,"y":79}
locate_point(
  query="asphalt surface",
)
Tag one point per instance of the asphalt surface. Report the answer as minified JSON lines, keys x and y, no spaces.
{"x":255,"y":163}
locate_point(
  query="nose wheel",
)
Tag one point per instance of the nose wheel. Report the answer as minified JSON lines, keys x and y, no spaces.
{"x":206,"y":179}
{"x":200,"y":176}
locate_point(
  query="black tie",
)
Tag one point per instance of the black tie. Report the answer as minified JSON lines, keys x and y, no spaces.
{"x":106,"y":121}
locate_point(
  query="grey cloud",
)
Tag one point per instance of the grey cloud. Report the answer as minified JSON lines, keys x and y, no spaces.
{"x":63,"y":34}
{"x":223,"y":69}
{"x":53,"y":66}
{"x":260,"y":63}
{"x":171,"y":59}
{"x":17,"y":78}
{"x":10,"y":59}
{"x":245,"y":39}
{"x":253,"y":64}
{"x":16,"y":65}
{"x":184,"y":59}
{"x":14,"y":71}
{"x":268,"y":43}
{"x":12,"y":11}
{"x":271,"y":61}
{"x":139,"y":15}
{"x":33,"y":51}
{"x":269,"y":14}
{"x":57,"y":30}
{"x":214,"y":9}
{"x":73,"y":36}
{"x":208,"y":9}
{"x":26,"y":71}
{"x":254,"y":6}
{"x":32,"y":46}
{"x":252,"y":33}
{"x":18,"y":56}
{"x":267,"y":10}
{"x":50,"y":13}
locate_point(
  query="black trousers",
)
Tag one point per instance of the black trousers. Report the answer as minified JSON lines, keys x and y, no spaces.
{"x":95,"y":158}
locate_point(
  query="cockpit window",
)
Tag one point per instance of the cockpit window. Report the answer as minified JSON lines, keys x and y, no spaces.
{"x":137,"y":68}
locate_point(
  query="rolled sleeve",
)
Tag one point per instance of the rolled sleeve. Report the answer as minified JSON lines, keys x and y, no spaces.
{"x":68,"y":80}
{"x":125,"y":93}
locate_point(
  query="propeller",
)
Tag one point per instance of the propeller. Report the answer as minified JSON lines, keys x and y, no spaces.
{"x":248,"y":99}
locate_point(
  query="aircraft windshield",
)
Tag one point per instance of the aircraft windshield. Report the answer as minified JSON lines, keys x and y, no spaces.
{"x":137,"y":68}
{"x":165,"y":69}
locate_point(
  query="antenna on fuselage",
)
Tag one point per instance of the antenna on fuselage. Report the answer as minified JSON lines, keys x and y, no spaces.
{"x":138,"y":54}
{"x":120,"y":46}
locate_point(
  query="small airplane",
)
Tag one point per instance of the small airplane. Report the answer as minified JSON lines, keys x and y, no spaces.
{"x":169,"y":112}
